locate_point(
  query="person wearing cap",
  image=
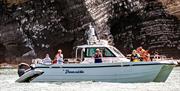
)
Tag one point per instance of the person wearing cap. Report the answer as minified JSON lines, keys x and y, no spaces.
{"x":98,"y":56}
{"x":59,"y":57}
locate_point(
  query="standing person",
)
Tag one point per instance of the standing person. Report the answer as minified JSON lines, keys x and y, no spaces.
{"x":59,"y":57}
{"x":98,"y":56}
{"x":47,"y":59}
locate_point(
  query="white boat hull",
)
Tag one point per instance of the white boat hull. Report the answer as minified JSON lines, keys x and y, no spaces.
{"x":106,"y":72}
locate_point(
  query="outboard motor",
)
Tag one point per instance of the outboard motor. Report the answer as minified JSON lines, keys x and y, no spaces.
{"x":22,"y":68}
{"x":27,"y":73}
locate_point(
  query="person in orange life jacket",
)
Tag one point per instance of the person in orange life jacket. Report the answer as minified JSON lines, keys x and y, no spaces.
{"x":146,"y":56}
{"x":140,"y":51}
{"x":59,"y":57}
{"x":98,"y":56}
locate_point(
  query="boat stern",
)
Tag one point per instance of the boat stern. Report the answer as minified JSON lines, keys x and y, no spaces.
{"x":30,"y":75}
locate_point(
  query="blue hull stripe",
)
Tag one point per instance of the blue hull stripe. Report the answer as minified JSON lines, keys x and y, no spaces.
{"x":102,"y":66}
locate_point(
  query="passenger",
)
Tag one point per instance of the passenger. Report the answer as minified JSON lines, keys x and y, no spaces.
{"x":140,"y":51}
{"x":146,"y":56}
{"x":66,"y":61}
{"x":135,"y":57}
{"x":59,"y":57}
{"x":156,"y":56}
{"x":47,"y":59}
{"x":98,"y":56}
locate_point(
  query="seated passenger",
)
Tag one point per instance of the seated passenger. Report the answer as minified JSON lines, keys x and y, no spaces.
{"x":47,"y":59}
{"x":66,"y":61}
{"x":135,"y":57}
{"x":156,"y":56}
{"x":146,"y":56}
{"x":59,"y":57}
{"x":140,"y":50}
{"x":98,"y":56}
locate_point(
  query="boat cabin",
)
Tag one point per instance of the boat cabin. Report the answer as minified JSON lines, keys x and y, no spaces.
{"x":85,"y":53}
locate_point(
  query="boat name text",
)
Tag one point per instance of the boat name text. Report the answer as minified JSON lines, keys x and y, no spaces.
{"x":73,"y":71}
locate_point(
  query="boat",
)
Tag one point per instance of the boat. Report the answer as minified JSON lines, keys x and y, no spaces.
{"x":114,"y":68}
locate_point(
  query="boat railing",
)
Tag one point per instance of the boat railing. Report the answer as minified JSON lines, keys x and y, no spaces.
{"x":37,"y":61}
{"x":160,"y":58}
{"x":155,"y":57}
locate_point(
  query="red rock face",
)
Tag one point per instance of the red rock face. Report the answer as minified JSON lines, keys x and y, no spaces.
{"x":37,"y":27}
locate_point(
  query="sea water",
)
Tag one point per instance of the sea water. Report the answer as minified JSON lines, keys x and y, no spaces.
{"x":8,"y":77}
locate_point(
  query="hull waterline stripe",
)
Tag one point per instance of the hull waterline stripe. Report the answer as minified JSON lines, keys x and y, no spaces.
{"x":101,"y":66}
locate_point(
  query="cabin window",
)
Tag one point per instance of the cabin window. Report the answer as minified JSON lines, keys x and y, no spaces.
{"x":117,"y":51}
{"x":107,"y":53}
{"x":89,"y":52}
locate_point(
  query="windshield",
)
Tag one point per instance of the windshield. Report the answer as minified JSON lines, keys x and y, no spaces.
{"x":117,"y":51}
{"x":89,"y":52}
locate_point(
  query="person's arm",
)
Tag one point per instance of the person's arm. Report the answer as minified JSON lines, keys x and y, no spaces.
{"x":62,"y":56}
{"x":101,"y":55}
{"x":94,"y":56}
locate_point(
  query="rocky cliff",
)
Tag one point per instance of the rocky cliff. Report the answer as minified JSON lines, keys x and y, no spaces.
{"x":148,"y":25}
{"x":32,"y":28}
{"x":36,"y":27}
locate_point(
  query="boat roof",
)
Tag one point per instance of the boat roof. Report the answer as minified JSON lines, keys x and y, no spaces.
{"x":93,"y":45}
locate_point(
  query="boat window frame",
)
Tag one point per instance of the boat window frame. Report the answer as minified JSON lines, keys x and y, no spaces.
{"x":117,"y":51}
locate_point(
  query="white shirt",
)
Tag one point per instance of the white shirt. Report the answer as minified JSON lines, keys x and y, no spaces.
{"x":47,"y":60}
